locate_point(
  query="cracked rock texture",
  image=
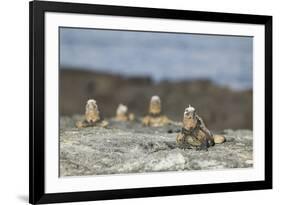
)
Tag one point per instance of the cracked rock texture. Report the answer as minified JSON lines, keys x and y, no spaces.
{"x":128,"y":147}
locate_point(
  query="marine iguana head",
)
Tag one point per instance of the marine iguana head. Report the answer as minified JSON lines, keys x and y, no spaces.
{"x":121,"y":110}
{"x":91,"y":105}
{"x":189,"y":112}
{"x":122,"y":113}
{"x":92,"y":111}
{"x":155,"y":105}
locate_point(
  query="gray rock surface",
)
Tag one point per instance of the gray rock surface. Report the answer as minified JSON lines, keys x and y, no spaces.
{"x":132,"y":148}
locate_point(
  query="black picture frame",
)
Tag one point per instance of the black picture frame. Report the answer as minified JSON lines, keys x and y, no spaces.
{"x":37,"y":10}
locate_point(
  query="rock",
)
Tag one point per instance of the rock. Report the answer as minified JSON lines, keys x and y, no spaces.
{"x":128,"y":147}
{"x":218,"y":139}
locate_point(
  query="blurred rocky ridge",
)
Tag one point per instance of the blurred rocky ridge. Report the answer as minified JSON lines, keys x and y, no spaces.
{"x":220,"y":107}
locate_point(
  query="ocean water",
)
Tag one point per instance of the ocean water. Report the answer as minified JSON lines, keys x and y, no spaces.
{"x":225,"y":60}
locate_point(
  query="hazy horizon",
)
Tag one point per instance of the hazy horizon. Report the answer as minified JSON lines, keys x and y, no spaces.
{"x":224,"y":60}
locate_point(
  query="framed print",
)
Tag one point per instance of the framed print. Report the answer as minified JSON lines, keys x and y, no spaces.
{"x":140,"y":102}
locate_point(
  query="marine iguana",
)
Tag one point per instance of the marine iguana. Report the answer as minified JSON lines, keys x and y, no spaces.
{"x":155,"y":118}
{"x":92,"y":116}
{"x":194,"y":132}
{"x":122,"y":114}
